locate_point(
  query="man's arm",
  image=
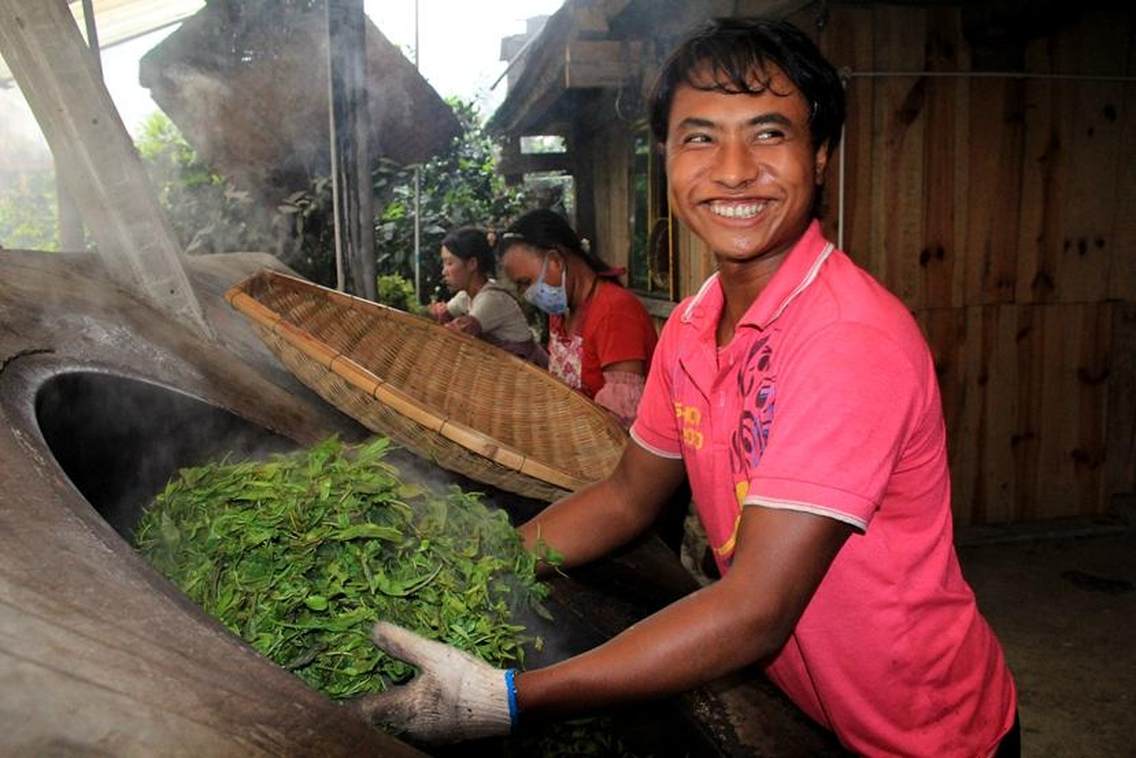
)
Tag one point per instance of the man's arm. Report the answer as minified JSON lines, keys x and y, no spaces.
{"x":599,"y":518}
{"x":456,"y":696}
{"x":781,"y":558}
{"x":747,"y":616}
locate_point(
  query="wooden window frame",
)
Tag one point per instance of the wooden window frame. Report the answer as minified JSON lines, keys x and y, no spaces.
{"x":660,"y":221}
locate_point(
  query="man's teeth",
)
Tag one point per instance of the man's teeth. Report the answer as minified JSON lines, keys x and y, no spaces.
{"x":737,"y":210}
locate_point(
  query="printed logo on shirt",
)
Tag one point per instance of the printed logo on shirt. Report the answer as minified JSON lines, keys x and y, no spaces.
{"x":690,"y":420}
{"x":757,"y":389}
{"x":725,"y":551}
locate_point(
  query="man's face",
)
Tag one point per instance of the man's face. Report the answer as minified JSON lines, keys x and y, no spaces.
{"x":741,"y":169}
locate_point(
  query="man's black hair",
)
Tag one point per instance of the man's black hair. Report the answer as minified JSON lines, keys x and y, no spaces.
{"x":738,"y":54}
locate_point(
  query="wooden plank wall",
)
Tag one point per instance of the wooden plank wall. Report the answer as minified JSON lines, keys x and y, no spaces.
{"x":1003,"y":212}
{"x":611,"y":156}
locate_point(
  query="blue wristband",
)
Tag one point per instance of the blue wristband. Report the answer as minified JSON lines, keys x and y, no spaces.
{"x":511,"y":691}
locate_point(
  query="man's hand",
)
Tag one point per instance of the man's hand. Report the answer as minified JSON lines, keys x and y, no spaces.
{"x":454,"y":697}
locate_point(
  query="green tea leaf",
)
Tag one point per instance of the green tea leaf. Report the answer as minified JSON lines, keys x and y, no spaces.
{"x":316,"y":602}
{"x":403,"y":587}
{"x":364,"y":531}
{"x":302,"y":553}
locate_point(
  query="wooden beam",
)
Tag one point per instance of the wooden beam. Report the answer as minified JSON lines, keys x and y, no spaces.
{"x":71,"y":234}
{"x":540,"y":80}
{"x":590,"y":19}
{"x":581,"y":145}
{"x":71,"y":238}
{"x":350,"y":154}
{"x":601,"y":63}
{"x":612,"y":8}
{"x":529,"y":163}
{"x":520,"y":114}
{"x":772,"y":9}
{"x":60,"y":79}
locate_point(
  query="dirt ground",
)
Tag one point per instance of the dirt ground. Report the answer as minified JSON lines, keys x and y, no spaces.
{"x":1062,"y":599}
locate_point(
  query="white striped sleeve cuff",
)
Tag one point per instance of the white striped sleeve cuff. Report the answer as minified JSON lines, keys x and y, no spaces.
{"x":654,"y":450}
{"x":816,"y":510}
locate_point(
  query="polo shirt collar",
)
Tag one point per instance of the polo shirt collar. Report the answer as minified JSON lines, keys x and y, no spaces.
{"x":799,"y":269}
{"x":698,"y":351}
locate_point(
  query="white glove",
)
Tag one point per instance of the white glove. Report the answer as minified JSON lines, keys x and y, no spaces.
{"x":454,"y":697}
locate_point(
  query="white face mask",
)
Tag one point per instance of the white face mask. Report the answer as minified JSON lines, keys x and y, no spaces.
{"x":551,"y":300}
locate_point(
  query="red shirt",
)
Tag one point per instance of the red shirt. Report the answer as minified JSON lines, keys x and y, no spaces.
{"x":826,"y":402}
{"x":615,"y":327}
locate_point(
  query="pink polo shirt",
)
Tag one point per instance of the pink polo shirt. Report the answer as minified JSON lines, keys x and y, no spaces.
{"x":825,"y":401}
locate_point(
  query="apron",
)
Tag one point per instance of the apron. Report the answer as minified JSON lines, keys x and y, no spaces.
{"x":565,"y":358}
{"x":566,"y":354}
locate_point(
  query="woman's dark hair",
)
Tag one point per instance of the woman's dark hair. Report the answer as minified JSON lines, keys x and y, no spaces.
{"x":549,"y":230}
{"x":471,"y":242}
{"x":738,"y":53}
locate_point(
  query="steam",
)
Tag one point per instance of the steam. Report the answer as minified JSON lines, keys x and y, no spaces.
{"x":120,"y":440}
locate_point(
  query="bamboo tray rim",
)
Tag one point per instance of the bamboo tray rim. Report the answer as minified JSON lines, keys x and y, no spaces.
{"x":364,"y":380}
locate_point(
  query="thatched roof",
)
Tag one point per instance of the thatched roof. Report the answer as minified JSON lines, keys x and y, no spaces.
{"x":250,"y":93}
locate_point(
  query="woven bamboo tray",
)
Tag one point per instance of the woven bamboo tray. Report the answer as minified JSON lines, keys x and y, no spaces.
{"x":459,"y":401}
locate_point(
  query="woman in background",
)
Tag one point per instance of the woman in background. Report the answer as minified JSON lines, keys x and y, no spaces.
{"x":601,"y":338}
{"x":480,"y":306}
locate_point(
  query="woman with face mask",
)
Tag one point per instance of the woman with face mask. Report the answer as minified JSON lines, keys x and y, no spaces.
{"x":600,"y":336}
{"x":480,"y":306}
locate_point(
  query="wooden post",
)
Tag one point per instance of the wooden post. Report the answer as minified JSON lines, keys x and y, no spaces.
{"x":60,"y":79}
{"x":71,"y":237}
{"x":582,"y":149}
{"x":350,"y":157}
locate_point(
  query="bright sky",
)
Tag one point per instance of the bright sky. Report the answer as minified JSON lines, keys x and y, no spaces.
{"x":460,"y":42}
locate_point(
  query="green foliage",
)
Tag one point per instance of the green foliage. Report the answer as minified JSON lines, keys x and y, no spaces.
{"x":543,"y":144}
{"x":207,"y":213}
{"x":28,"y":217}
{"x":398,"y":292}
{"x":458,"y":187}
{"x":309,"y":214}
{"x":301,"y":554}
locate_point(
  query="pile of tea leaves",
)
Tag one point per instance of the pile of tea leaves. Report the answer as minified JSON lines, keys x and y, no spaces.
{"x":301,"y":554}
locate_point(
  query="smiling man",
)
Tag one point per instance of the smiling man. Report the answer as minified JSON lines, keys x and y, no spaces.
{"x":799,"y":398}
